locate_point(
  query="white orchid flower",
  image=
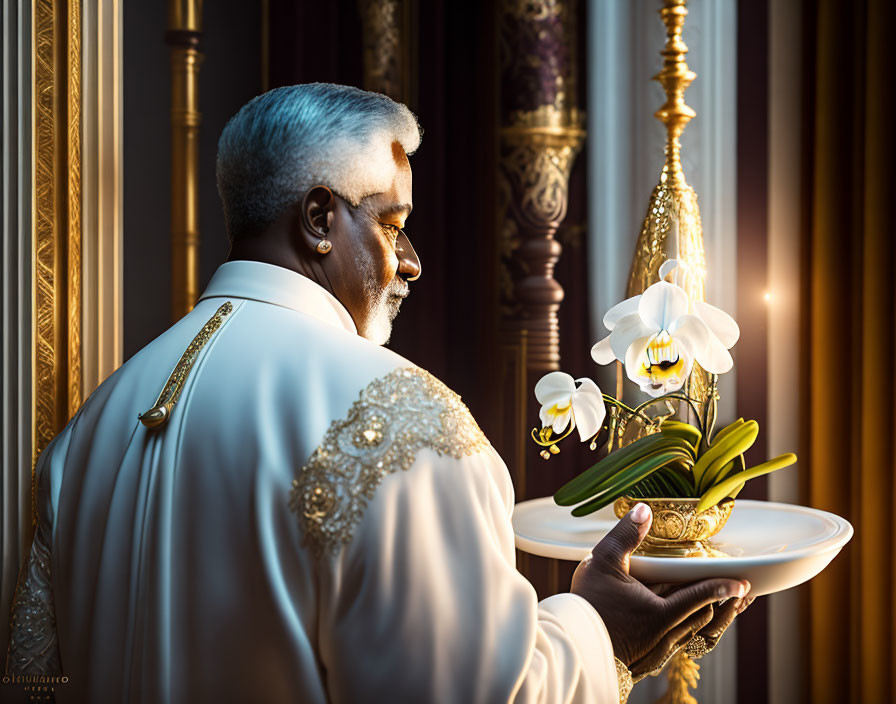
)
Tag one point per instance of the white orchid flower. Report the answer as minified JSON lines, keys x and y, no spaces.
{"x":723,"y":329}
{"x":724,"y":333}
{"x":562,"y":403}
{"x":658,"y":339}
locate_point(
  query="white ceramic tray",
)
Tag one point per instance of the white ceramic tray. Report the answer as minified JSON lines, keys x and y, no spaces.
{"x":774,"y":546}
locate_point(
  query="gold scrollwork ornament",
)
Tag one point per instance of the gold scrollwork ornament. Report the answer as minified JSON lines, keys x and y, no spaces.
{"x":539,"y":169}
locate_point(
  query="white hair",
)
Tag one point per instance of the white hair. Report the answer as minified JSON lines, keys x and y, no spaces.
{"x":288,"y":140}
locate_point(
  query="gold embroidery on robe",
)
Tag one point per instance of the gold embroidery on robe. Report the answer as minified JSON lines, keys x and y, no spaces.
{"x":161,"y":409}
{"x":395,"y":417}
{"x":33,"y":648}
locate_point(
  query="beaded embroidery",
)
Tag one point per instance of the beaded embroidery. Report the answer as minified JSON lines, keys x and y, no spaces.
{"x":33,"y":649}
{"x":626,"y":683}
{"x":394,"y":417}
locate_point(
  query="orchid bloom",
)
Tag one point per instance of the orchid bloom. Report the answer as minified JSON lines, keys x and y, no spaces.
{"x":562,"y":403}
{"x":723,"y":334}
{"x":658,"y":338}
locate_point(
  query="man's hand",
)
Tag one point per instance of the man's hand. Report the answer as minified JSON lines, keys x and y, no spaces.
{"x":724,"y":614}
{"x":646,"y":629}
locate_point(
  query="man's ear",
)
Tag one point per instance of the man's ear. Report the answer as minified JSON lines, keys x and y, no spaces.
{"x":317,"y":214}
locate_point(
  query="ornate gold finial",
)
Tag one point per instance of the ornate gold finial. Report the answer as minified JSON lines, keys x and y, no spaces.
{"x":675,"y":78}
{"x":672,"y":227}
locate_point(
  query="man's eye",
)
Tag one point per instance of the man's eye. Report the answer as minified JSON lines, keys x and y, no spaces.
{"x":393,"y":230}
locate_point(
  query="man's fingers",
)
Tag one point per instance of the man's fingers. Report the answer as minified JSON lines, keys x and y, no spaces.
{"x":744,"y":604}
{"x":722,"y":617}
{"x":662,"y":588}
{"x":685,"y":630}
{"x":675,"y":639}
{"x":695,"y":596}
{"x":624,"y":538}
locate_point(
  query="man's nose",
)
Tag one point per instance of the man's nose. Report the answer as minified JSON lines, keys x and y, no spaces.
{"x":408,"y":261}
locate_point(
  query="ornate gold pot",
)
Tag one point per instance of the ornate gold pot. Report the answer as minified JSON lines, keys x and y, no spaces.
{"x":677,"y":529}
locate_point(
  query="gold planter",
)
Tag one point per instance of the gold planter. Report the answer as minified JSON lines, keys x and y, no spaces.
{"x":677,"y":529}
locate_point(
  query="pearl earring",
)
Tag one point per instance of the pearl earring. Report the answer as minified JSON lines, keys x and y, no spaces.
{"x":324,"y":246}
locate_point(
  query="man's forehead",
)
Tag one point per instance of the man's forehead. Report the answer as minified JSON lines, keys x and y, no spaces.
{"x":397,"y":199}
{"x":400,"y":157}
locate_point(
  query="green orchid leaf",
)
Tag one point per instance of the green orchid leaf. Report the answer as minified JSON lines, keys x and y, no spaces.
{"x":626,"y":478}
{"x":724,"y":488}
{"x":587,"y":482}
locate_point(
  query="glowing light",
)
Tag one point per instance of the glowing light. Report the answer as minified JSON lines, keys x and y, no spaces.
{"x":767,"y":296}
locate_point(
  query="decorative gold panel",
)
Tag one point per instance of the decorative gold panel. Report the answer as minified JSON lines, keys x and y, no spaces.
{"x":57,"y":219}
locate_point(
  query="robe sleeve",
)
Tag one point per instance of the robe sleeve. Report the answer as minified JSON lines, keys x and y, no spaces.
{"x":33,"y":645}
{"x":424,"y":604}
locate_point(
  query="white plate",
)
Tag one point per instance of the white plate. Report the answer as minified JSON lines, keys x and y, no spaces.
{"x":774,"y":546}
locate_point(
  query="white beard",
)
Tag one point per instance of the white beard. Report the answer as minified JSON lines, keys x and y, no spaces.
{"x":384,"y":308}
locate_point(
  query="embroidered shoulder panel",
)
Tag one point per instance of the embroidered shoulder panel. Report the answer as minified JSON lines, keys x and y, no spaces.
{"x":395,"y":417}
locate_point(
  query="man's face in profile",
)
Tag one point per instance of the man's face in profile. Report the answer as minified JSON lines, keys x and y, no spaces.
{"x":374,"y":258}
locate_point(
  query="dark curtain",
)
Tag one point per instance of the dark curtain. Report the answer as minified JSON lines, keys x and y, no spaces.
{"x":848,"y":308}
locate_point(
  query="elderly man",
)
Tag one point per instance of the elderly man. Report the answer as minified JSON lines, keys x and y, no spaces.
{"x":264,"y":504}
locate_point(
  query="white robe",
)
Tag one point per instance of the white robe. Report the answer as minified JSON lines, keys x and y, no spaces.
{"x":317,"y":520}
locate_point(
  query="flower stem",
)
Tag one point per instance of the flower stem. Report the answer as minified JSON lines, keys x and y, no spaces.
{"x":688,"y":400}
{"x":552,"y":440}
{"x":711,"y":402}
{"x":633,"y":411}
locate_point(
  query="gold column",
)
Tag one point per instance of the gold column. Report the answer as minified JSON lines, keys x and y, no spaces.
{"x":57,"y":220}
{"x":184,"y":29}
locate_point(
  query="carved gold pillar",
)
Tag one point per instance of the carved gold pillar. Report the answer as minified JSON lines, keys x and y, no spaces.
{"x":184,"y":31}
{"x":57,"y":219}
{"x":388,"y":46}
{"x":541,"y":134}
